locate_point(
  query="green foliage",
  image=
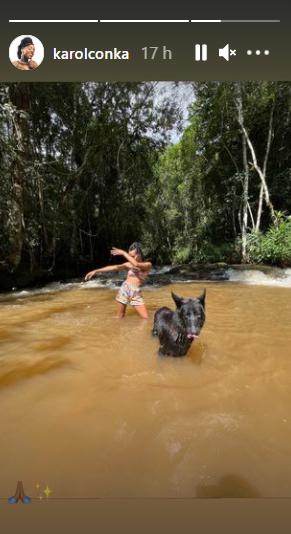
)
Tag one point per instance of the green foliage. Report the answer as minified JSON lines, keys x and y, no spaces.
{"x":196,"y":199}
{"x":182,"y":254}
{"x":76,"y":163}
{"x":211,"y":253}
{"x":84,"y":166}
{"x":272,"y":247}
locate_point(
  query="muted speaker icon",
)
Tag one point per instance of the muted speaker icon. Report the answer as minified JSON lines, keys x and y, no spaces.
{"x":226,"y":52}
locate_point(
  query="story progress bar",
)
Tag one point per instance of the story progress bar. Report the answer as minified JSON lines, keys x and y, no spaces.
{"x":143,"y":21}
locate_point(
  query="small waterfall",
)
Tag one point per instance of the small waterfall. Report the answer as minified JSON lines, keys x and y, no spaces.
{"x":256,"y":275}
{"x":56,"y":287}
{"x":161,"y":270}
{"x":271,"y":277}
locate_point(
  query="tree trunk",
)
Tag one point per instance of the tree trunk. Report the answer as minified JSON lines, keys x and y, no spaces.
{"x":269,"y":141}
{"x":261,"y":172}
{"x":19,"y":96}
{"x":245,"y":200}
{"x":260,"y":208}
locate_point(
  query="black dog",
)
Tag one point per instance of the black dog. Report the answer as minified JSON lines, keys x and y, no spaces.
{"x":177,"y":330}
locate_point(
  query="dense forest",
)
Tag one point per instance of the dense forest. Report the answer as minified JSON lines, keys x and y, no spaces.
{"x":84,"y":166}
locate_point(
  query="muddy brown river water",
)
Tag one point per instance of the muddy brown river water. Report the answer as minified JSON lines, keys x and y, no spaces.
{"x":88,"y":407}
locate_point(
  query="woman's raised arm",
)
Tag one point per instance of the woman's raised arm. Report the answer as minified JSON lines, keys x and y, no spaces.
{"x":143,"y":265}
{"x":107,"y":269}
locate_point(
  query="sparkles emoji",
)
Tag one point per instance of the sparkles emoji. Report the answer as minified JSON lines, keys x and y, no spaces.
{"x":47,"y":491}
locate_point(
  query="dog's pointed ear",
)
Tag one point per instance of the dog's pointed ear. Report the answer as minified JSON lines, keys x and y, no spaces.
{"x":202,"y":298}
{"x":178,"y":301}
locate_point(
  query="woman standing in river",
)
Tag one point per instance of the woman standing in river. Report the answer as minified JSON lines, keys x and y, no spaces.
{"x":137,"y":272}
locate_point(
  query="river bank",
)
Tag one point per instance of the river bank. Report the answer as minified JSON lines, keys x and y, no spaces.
{"x":159,"y":276}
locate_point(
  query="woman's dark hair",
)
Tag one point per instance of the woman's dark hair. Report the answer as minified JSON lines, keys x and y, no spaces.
{"x":23,"y":43}
{"x":136,"y":246}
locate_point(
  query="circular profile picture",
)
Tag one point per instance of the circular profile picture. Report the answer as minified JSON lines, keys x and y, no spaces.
{"x":26,"y":52}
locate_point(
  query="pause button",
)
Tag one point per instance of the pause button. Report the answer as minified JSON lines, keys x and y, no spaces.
{"x":200,"y":52}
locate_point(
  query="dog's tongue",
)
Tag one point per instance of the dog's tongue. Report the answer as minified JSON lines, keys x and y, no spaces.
{"x":192,"y":336}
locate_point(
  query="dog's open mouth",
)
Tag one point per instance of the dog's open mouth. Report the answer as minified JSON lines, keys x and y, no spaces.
{"x":192,"y":336}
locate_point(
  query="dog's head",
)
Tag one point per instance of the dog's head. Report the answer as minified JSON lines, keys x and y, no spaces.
{"x":191,"y":313}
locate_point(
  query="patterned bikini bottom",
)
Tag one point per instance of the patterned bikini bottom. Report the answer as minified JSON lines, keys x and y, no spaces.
{"x":129,"y":294}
